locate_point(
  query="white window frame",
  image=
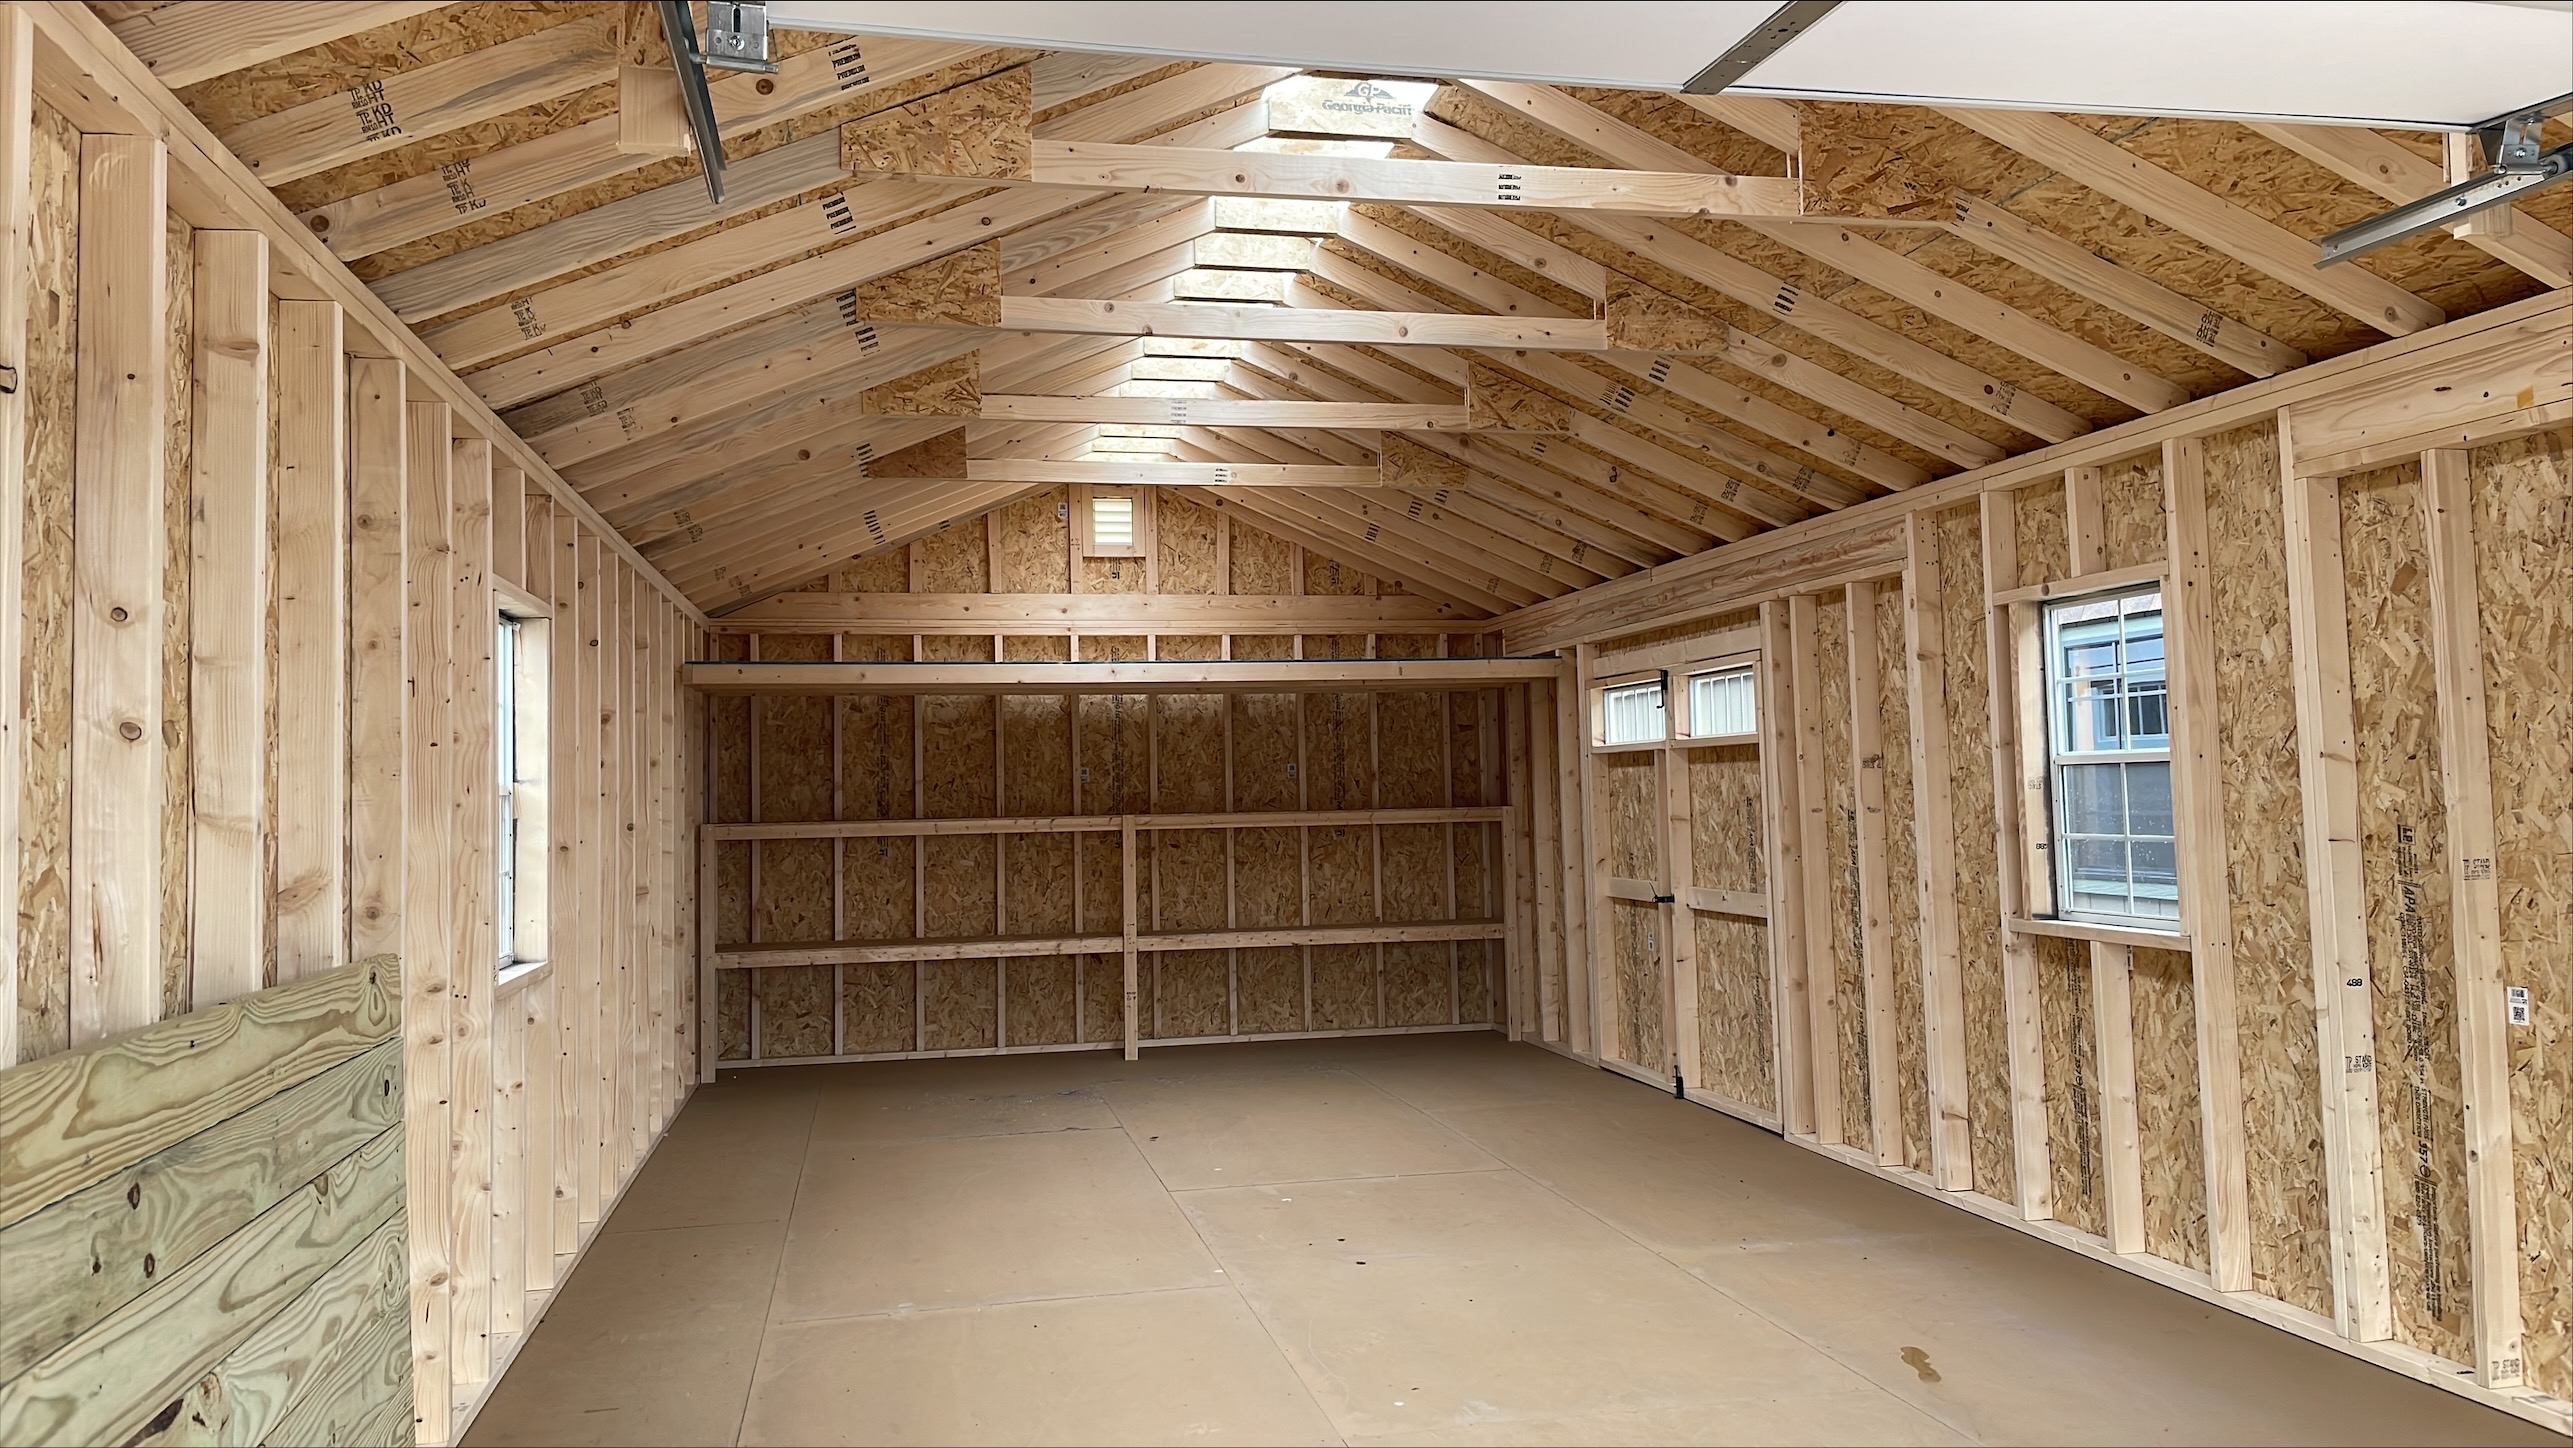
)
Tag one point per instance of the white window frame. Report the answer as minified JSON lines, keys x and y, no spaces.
{"x":2062,"y":755}
{"x":523,"y":855}
{"x":1602,"y":691}
{"x":1686,"y":724}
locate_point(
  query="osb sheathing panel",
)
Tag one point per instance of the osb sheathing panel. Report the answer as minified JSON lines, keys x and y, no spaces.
{"x":2134,"y":526}
{"x":1410,"y":739}
{"x":1114,"y":772}
{"x":1419,"y":986}
{"x":1184,"y":545}
{"x":2039,"y":524}
{"x":981,"y":130}
{"x":1262,"y":562}
{"x":1345,"y":988}
{"x":1733,"y":1043}
{"x":226,"y":102}
{"x":1902,"y":879}
{"x":1268,"y":878}
{"x":1415,"y":871}
{"x":1264,"y":752}
{"x":953,"y":388}
{"x":1190,"y":993}
{"x":728,"y":729}
{"x":1978,"y":904}
{"x":1035,"y":544}
{"x":177,"y":730}
{"x":2171,"y":1140}
{"x":877,"y":1004}
{"x":1725,"y":825}
{"x":2068,"y":1036}
{"x":2265,"y":865}
{"x":1270,"y":983}
{"x":961,"y":288}
{"x":2403,"y":852}
{"x":1635,"y":950}
{"x":1846,"y":937}
{"x":793,"y":899}
{"x":1477,"y":965}
{"x":1042,"y":997}
{"x":44,"y":800}
{"x":1630,"y":811}
{"x":2523,"y":518}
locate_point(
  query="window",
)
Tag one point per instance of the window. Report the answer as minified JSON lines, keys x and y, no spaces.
{"x":1632,"y":713}
{"x":1722,"y":701}
{"x":520,"y":747}
{"x":505,"y":752}
{"x":2109,"y":759}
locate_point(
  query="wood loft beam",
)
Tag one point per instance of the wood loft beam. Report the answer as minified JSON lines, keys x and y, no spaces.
{"x":2394,"y":171}
{"x":1224,"y":412}
{"x":1120,"y":614}
{"x":100,"y":85}
{"x":1849,"y":252}
{"x":1775,"y":296}
{"x":201,"y":39}
{"x":1752,"y":354}
{"x":1167,"y":676}
{"x":602,"y":233}
{"x":1290,"y":177}
{"x":396,"y":110}
{"x":1293,"y":324}
{"x":2086,"y":274}
{"x":1147,"y":474}
{"x":2195,"y":212}
{"x":550,"y":165}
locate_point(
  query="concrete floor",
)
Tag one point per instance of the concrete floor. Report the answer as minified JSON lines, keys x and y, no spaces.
{"x":1425,"y":1239}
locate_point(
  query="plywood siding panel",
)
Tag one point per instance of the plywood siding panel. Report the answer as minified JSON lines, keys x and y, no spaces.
{"x":1635,"y":956}
{"x":2045,"y":543}
{"x":1733,"y":1034}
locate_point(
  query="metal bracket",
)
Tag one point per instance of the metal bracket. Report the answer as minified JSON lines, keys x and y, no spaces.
{"x":2512,"y":142}
{"x":737,"y":37}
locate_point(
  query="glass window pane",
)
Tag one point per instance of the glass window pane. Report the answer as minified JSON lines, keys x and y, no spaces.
{"x":2094,"y":799}
{"x":2156,"y":879}
{"x":1632,"y":714}
{"x":1722,"y":702}
{"x":2148,"y":795}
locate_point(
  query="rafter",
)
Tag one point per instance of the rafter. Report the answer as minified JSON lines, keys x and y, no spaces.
{"x":1857,"y":256}
{"x":2086,"y":274}
{"x":2394,"y":171}
{"x":2191,"y":210}
{"x":379,"y":115}
{"x":584,"y":155}
{"x":198,"y":40}
{"x":1752,"y":287}
{"x":1170,"y":475}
